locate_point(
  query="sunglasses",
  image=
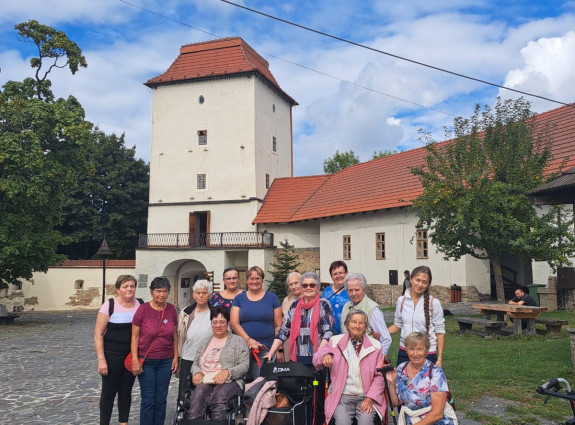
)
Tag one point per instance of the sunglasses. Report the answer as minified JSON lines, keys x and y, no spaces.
{"x":308,"y":285}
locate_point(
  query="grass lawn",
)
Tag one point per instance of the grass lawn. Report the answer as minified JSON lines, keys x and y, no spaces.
{"x":508,"y":368}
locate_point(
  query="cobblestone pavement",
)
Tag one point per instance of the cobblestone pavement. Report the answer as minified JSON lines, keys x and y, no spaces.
{"x":49,"y":374}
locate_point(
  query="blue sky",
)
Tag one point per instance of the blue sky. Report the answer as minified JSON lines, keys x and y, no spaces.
{"x":528,"y":45}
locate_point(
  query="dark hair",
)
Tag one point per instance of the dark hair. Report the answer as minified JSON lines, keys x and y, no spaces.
{"x":229,"y":269}
{"x":424,"y":270}
{"x":220,"y":309}
{"x":407,"y":272}
{"x":336,"y":264}
{"x":160,"y":282}
{"x":123,"y":278}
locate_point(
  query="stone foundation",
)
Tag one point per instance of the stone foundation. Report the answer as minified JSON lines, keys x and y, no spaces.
{"x":548,"y":295}
{"x":84,"y":297}
{"x":387,"y":295}
{"x":13,"y":299}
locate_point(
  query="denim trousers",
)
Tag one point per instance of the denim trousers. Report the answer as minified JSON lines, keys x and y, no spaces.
{"x":154,"y":382}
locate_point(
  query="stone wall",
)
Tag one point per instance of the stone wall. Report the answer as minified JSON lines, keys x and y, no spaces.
{"x":308,"y":258}
{"x":387,"y":295}
{"x":13,"y":299}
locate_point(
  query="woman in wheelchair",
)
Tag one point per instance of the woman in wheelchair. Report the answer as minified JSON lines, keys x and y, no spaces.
{"x":219,"y":367}
{"x":356,"y":385}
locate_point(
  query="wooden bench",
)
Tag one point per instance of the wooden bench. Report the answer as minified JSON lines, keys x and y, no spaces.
{"x":490,"y":327}
{"x":553,"y":325}
{"x":5,"y":317}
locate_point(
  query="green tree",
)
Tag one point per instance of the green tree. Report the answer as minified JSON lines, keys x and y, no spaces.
{"x":285,"y":261}
{"x":41,"y":153}
{"x":474,"y":200}
{"x":339,"y":161}
{"x":381,"y":154}
{"x":110,"y":200}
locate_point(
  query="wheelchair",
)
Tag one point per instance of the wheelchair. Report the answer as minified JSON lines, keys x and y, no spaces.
{"x":235,"y":411}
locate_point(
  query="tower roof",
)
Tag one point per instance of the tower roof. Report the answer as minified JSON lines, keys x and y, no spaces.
{"x":217,"y":58}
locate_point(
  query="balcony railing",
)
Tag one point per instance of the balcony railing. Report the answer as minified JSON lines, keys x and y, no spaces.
{"x":207,"y":240}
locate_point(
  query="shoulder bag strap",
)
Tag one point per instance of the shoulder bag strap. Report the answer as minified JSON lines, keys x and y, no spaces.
{"x":157,"y":333}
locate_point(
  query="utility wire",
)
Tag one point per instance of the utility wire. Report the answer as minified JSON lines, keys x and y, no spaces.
{"x":353,"y":43}
{"x":290,"y":62}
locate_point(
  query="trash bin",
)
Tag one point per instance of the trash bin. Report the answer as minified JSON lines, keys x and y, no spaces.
{"x":533,"y":291}
{"x":455,"y":294}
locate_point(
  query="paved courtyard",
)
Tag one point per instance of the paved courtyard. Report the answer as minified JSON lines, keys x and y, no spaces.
{"x":49,"y":375}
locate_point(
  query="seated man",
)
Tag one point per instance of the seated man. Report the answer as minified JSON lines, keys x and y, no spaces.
{"x":521,"y":298}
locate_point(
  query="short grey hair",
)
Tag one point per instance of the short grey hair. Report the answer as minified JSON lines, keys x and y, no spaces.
{"x":310,"y":275}
{"x":203,"y":284}
{"x":353,"y":312}
{"x":415,"y":338}
{"x":293,"y":274}
{"x":355,"y":276}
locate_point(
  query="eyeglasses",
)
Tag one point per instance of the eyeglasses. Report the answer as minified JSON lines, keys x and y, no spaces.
{"x":219,"y":322}
{"x":308,"y":285}
{"x":231,"y":278}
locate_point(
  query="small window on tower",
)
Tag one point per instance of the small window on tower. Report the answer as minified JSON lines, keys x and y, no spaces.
{"x":274,"y":144}
{"x":267,"y":181}
{"x":202,"y":137}
{"x":201,"y":181}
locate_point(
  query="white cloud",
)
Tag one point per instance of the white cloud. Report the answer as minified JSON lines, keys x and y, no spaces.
{"x":547,"y":70}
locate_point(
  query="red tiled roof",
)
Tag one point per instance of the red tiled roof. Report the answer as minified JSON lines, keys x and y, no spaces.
{"x":385,"y":182}
{"x":216,"y":58}
{"x":96,"y":263}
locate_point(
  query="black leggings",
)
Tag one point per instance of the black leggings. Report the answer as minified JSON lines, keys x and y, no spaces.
{"x":117,"y":381}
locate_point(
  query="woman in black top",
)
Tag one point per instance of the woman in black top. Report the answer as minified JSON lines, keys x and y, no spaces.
{"x":112,"y":337}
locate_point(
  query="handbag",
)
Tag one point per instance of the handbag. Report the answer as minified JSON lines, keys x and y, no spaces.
{"x":128,"y":360}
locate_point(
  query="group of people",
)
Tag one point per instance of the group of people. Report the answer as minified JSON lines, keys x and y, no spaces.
{"x":221,"y":339}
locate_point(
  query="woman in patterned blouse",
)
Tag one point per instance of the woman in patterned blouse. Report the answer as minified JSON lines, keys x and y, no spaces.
{"x":232,"y":289}
{"x":420,"y":386}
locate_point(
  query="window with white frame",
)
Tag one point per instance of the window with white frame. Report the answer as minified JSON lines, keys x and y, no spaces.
{"x":274,"y":144}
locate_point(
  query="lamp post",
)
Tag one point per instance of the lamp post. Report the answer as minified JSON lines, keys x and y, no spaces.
{"x":104,"y":252}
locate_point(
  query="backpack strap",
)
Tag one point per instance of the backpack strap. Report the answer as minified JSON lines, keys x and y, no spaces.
{"x":110,"y":307}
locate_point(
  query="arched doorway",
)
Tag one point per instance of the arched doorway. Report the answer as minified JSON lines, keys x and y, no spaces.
{"x":186,"y":273}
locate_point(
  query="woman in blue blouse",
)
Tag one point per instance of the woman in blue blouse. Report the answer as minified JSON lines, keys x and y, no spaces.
{"x":420,"y":386}
{"x":336,"y":293}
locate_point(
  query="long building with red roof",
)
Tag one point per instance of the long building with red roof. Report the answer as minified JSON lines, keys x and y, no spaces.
{"x":361,"y":213}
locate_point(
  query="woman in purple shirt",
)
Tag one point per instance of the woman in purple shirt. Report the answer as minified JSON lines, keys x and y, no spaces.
{"x":155,"y":338}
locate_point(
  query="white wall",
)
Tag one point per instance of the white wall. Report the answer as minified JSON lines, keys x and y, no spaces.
{"x":56,"y":289}
{"x":226,"y":217}
{"x":399,"y":228}
{"x":300,"y":235}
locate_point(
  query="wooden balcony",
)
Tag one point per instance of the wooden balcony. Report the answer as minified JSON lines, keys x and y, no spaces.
{"x":206,"y":240}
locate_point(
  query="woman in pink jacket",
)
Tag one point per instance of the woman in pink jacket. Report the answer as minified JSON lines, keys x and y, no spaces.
{"x":356,"y":385}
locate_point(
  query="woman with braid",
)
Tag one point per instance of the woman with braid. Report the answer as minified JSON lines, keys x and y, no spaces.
{"x":418,"y":311}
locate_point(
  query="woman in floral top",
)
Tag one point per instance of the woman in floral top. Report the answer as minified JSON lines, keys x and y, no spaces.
{"x":420,"y":386}
{"x":231,"y":284}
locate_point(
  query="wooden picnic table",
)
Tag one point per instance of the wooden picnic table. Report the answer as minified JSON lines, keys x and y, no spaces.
{"x":515,"y":312}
